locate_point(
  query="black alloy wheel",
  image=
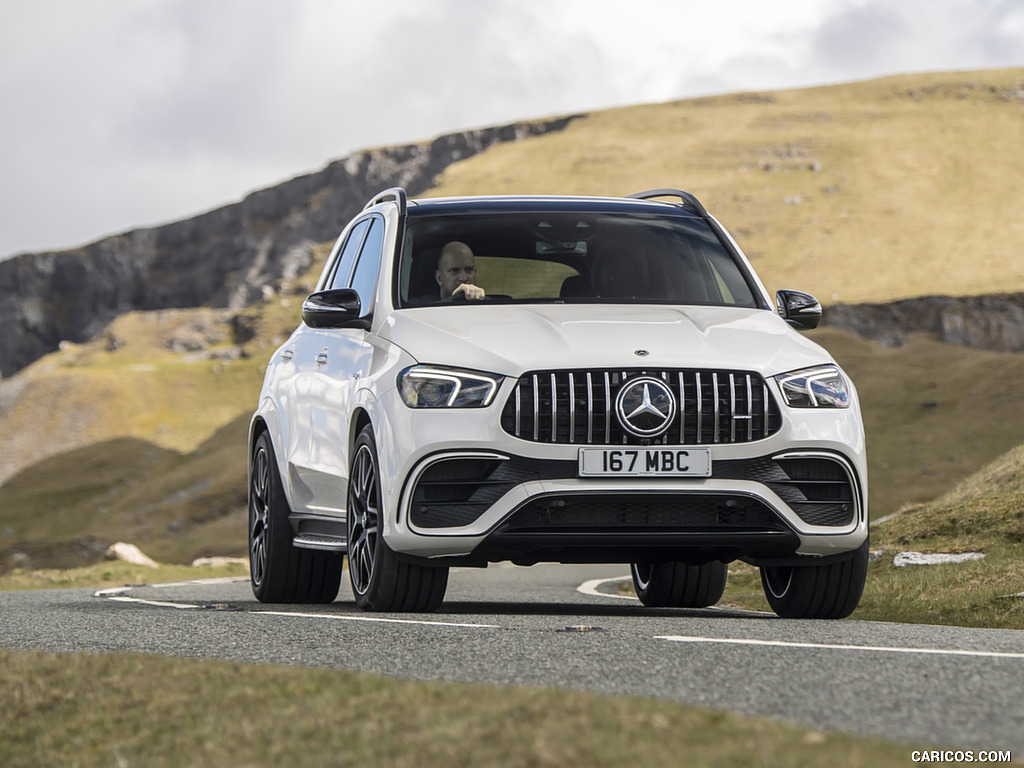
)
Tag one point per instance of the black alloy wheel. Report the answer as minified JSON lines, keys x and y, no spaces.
{"x":279,"y":571}
{"x":380,"y":581}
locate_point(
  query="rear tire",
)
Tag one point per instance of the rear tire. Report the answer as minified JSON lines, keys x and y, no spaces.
{"x":380,"y":581}
{"x":679,"y":585}
{"x":280,"y":572}
{"x":829,"y":591}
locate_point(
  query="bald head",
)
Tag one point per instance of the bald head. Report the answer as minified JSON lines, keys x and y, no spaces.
{"x":455,"y":267}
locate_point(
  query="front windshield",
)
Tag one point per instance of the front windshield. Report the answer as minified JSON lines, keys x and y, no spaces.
{"x":569,"y":257}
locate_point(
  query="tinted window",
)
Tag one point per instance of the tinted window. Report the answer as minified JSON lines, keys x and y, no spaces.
{"x":365,"y":278}
{"x":347,"y":258}
{"x":579,"y":257}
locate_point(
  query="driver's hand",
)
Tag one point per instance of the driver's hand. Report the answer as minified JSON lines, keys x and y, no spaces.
{"x":470,"y":291}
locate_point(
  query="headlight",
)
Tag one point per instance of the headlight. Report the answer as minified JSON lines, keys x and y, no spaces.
{"x":824,"y":387}
{"x":423,"y":386}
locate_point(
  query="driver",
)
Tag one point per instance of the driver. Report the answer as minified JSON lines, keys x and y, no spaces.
{"x":456,"y":272}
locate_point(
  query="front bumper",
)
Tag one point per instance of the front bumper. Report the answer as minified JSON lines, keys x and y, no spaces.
{"x":483,"y":495}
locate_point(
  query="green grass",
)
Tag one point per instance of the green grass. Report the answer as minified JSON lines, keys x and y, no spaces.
{"x":175,"y":507}
{"x":114,"y":710}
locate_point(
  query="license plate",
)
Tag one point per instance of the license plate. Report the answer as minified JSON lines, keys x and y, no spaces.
{"x":647,"y":462}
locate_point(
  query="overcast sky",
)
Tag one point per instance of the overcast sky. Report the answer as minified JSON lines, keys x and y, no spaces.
{"x":117,"y":114}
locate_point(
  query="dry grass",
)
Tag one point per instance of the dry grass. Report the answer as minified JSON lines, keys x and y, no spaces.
{"x":122,"y":710}
{"x":874,"y":191}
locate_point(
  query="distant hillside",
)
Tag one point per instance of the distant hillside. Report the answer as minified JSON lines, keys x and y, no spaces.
{"x":865,"y":192}
{"x":223,"y":258}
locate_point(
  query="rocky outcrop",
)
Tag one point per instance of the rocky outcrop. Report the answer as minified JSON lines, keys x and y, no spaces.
{"x":994,"y":322}
{"x":222,"y":258}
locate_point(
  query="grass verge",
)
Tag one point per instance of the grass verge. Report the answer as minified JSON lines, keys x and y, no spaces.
{"x":113,"y":574}
{"x":124,"y":710}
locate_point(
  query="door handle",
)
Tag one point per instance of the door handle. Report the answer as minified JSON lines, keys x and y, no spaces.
{"x":321,"y":359}
{"x":288,"y":354}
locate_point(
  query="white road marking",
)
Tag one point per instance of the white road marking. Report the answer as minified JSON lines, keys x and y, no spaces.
{"x":157,"y":603}
{"x":590,"y":588}
{"x":117,"y":594}
{"x":377,"y":619}
{"x":839,"y":647}
{"x":217,"y":580}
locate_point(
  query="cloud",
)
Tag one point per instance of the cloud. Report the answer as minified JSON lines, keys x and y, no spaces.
{"x":119,"y":114}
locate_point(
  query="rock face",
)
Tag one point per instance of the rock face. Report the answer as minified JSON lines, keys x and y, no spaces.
{"x":994,"y":322}
{"x":222,"y":258}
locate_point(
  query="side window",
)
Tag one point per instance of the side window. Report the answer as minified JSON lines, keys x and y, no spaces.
{"x":364,"y":280}
{"x":347,"y":258}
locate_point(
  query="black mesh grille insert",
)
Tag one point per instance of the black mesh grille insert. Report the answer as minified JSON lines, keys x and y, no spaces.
{"x":593,"y":514}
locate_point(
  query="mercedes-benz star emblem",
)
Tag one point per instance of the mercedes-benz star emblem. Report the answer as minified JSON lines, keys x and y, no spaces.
{"x":645,"y":406}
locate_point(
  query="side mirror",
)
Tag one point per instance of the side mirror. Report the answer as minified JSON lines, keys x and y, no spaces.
{"x":338,"y":308}
{"x":800,"y":310}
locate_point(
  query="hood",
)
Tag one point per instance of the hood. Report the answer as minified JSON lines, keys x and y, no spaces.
{"x":513,"y":339}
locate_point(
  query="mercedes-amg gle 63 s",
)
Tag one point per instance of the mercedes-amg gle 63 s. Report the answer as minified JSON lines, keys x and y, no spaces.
{"x":554,"y":379}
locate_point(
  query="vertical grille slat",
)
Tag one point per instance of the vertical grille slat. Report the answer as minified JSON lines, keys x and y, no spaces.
{"x":572,"y":408}
{"x":554,"y":409}
{"x":750,"y":410}
{"x":607,"y":408}
{"x":700,"y":409}
{"x":536,"y":410}
{"x":590,"y":408}
{"x":577,"y":407}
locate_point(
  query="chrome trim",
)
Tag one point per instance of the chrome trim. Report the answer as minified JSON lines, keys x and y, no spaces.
{"x":607,"y":408}
{"x":519,"y":409}
{"x":536,"y":409}
{"x":414,"y":478}
{"x":554,"y":409}
{"x":572,"y":409}
{"x":700,"y":410}
{"x":714,"y":390}
{"x":321,"y":541}
{"x":851,"y":476}
{"x":732,"y":408}
{"x":750,"y":411}
{"x":682,"y":408}
{"x":590,"y":408}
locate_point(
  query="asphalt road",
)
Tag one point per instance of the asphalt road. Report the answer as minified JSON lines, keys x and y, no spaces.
{"x":555,"y":625}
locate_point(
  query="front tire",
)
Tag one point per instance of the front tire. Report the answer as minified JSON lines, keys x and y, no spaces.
{"x":829,"y":591}
{"x":679,"y":585}
{"x":380,"y":581}
{"x":280,"y":572}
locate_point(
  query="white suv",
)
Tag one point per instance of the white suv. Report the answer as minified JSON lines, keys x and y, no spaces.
{"x":609,"y":382}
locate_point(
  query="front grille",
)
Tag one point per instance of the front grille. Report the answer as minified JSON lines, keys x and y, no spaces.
{"x":578,"y":407}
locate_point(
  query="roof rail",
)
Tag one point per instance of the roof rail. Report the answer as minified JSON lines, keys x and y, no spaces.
{"x":689,"y":201}
{"x":396,"y":194}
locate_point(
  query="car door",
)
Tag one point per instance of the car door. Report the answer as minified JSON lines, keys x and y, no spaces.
{"x":304,"y":352}
{"x":342,"y":359}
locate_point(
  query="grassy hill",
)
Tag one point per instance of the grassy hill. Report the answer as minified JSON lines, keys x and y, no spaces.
{"x":869,"y":191}
{"x":874,"y":191}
